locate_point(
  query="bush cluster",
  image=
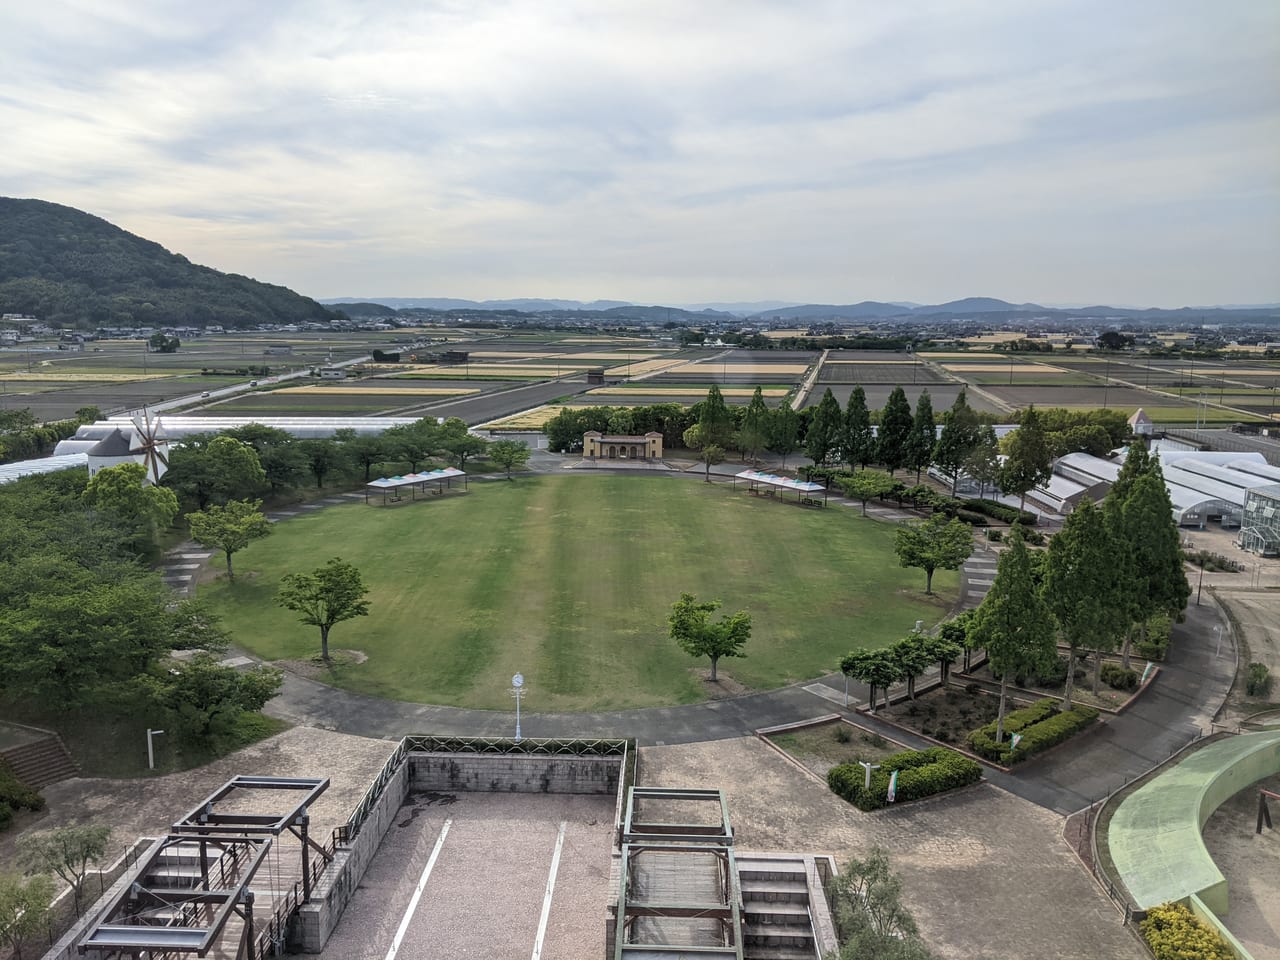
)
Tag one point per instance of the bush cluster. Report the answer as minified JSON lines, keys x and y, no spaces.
{"x":922,"y":773}
{"x":1042,"y":725}
{"x":1257,"y":680}
{"x":1053,"y":675}
{"x":1119,"y":678}
{"x":1174,"y":933}
{"x":15,"y":795}
{"x":1000,"y":511}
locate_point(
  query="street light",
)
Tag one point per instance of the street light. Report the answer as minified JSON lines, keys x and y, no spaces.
{"x":517,"y":690}
{"x":151,"y":754}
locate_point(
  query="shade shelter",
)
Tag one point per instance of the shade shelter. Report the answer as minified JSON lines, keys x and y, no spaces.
{"x":436,"y":480}
{"x":771,"y":485}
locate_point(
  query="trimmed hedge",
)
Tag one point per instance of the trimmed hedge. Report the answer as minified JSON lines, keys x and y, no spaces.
{"x":922,"y":773}
{"x":1175,"y":933}
{"x":15,"y":795}
{"x":1119,"y":678}
{"x":1000,"y":511}
{"x":1042,"y":726}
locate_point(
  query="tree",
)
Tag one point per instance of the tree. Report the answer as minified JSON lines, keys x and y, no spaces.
{"x":509,"y":454}
{"x":871,"y":921}
{"x":203,"y":700}
{"x":325,"y":597}
{"x":823,"y":438}
{"x":24,"y":908}
{"x":857,"y":441}
{"x":413,"y":442}
{"x":1028,"y":459}
{"x":691,"y":627}
{"x":895,"y":431}
{"x":784,"y":431}
{"x":944,"y":649}
{"x":229,"y":528}
{"x":933,"y":544}
{"x":923,"y":437}
{"x":214,"y":470}
{"x":364,"y":450}
{"x":1114,"y":340}
{"x":1080,"y":588}
{"x":282,"y":461}
{"x":1137,"y":461}
{"x":878,"y":669}
{"x":162,"y":343}
{"x":458,"y":444}
{"x":755,"y":426}
{"x":710,"y":453}
{"x":121,"y":492}
{"x":959,"y":436}
{"x":1013,"y":623}
{"x":322,"y":456}
{"x":913,"y":656}
{"x":67,"y":852}
{"x":983,"y":462}
{"x":867,"y":485}
{"x":715,"y":419}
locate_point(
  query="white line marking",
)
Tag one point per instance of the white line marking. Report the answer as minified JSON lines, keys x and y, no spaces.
{"x":982,"y":583}
{"x":546,"y":899}
{"x":417,"y":893}
{"x":825,"y":692}
{"x":184,"y":566}
{"x":194,"y":556}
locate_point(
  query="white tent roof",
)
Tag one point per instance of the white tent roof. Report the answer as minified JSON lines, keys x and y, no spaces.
{"x":800,"y":486}
{"x":409,"y":479}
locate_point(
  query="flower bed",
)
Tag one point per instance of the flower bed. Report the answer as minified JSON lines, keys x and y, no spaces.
{"x":1041,"y":725}
{"x":1173,"y":932}
{"x":921,"y":773}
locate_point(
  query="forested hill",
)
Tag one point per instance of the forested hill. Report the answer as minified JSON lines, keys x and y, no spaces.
{"x":65,"y":266}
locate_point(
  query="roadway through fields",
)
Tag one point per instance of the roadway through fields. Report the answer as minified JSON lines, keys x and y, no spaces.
{"x":499,"y":876}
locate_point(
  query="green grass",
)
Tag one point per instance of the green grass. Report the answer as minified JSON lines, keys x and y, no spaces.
{"x":1187,"y":415}
{"x":570,"y":580}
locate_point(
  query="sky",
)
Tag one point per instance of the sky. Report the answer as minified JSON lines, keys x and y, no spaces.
{"x":668,"y":152}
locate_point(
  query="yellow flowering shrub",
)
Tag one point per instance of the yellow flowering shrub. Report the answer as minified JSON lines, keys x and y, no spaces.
{"x":1175,"y":933}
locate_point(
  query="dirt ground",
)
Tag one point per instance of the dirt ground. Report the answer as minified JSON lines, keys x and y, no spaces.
{"x":147,"y":806}
{"x":1251,"y":863}
{"x":986,"y":875}
{"x":1258,"y":615}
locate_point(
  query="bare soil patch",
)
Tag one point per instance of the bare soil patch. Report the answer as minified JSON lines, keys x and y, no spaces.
{"x":946,"y":715}
{"x":724,"y":686}
{"x":820,"y":748}
{"x":1251,"y":863}
{"x":315,"y":668}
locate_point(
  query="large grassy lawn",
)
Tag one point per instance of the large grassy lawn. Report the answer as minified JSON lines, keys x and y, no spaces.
{"x":570,"y":580}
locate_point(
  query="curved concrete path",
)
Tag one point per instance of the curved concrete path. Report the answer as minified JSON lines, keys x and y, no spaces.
{"x":1175,"y":710}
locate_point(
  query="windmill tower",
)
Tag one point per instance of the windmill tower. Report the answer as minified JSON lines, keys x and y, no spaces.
{"x":150,"y":442}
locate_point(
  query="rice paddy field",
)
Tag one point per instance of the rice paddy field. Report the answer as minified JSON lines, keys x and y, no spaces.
{"x":569,"y":580}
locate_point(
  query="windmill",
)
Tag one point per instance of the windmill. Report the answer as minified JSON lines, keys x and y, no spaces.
{"x":150,"y":441}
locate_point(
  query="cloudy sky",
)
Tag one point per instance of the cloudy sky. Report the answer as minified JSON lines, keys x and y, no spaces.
{"x":668,"y":152}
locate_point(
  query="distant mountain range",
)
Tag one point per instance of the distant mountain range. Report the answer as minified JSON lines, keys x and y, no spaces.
{"x":69,"y":267}
{"x":971,"y":308}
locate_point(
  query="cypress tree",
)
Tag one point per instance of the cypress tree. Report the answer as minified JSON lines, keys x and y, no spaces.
{"x":923,"y":436}
{"x":857,"y":442}
{"x":895,"y":431}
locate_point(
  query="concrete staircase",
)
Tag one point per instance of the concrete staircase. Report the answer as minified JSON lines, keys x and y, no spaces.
{"x":41,"y":762}
{"x":784,"y":911}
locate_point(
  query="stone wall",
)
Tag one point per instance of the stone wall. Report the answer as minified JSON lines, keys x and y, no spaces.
{"x":318,"y":916}
{"x":514,"y":773}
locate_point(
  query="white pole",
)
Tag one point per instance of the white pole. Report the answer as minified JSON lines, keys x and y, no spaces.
{"x":846,"y":691}
{"x":151,"y":756}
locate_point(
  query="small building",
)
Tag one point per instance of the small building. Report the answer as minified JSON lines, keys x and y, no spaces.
{"x":598,"y":446}
{"x":455,"y":356}
{"x":595,"y":376}
{"x":1260,"y":521}
{"x":111,"y":451}
{"x":278,"y":349}
{"x":1141,"y":424}
{"x":333,"y":373}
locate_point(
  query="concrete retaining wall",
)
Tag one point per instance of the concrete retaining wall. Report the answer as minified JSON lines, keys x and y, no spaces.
{"x":318,"y":916}
{"x":514,"y":773}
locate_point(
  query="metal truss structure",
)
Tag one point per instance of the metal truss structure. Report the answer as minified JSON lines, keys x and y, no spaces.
{"x":180,"y":899}
{"x":678,"y":893}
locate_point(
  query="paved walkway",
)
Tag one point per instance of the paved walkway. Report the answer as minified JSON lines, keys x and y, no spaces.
{"x":1177,"y":708}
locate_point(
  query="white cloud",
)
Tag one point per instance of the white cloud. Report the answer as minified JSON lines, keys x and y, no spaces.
{"x":738,"y":149}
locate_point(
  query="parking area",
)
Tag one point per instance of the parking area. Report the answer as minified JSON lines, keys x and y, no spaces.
{"x":485,"y":875}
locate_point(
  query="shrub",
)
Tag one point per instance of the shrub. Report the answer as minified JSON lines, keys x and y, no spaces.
{"x":843,"y":735}
{"x":972,"y":518}
{"x":1042,"y":726}
{"x":1174,"y":933}
{"x":1156,"y":643}
{"x":6,"y":815}
{"x":995,"y":536}
{"x":1118,"y":677}
{"x":1033,"y":537}
{"x":1001,"y":511}
{"x":921,"y":773}
{"x":1257,"y":680}
{"x":16,"y":795}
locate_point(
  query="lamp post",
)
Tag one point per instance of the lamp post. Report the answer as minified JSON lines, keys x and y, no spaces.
{"x":1200,"y":585}
{"x":151,"y":754}
{"x":517,"y":691}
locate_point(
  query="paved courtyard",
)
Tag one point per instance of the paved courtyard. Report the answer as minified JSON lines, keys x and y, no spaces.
{"x":986,"y":874}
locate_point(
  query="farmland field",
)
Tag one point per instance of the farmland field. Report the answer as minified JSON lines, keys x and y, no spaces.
{"x":468,"y":590}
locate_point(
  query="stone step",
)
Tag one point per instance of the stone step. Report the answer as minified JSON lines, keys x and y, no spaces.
{"x":767,"y":869}
{"x":764,"y":952}
{"x":775,"y":890}
{"x":774,"y":935}
{"x":780,"y":912}
{"x":41,"y":763}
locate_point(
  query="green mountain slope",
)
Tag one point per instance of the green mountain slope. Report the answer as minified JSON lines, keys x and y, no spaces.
{"x":66,"y":266}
